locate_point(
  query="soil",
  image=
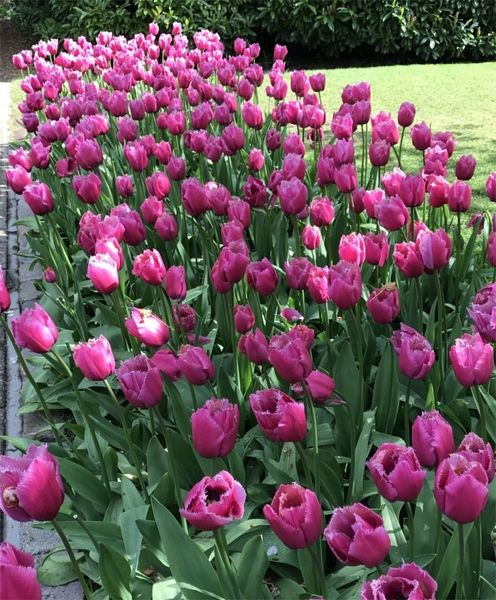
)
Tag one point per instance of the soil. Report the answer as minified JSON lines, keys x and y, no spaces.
{"x":11,"y":42}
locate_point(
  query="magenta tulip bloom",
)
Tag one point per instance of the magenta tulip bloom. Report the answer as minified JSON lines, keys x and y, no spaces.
{"x":321,"y":386}
{"x":175,"y":282}
{"x":472,"y":360}
{"x":215,"y":427}
{"x":465,"y":167}
{"x":482,"y":312}
{"x":352,"y":248}
{"x":103,"y":272}
{"x":35,"y":330}
{"x":473,"y":448}
{"x":356,"y":535}
{"x":461,"y":488}
{"x":244,"y":319}
{"x":255,"y":347}
{"x":39,"y":198}
{"x":321,"y":211}
{"x":408,"y":581}
{"x":376,"y":248}
{"x":17,"y":574}
{"x":165,"y":225}
{"x":87,"y":187}
{"x":140,"y":381}
{"x":434,"y":248}
{"x":459,"y":196}
{"x":310,"y":237}
{"x":149,"y":267}
{"x":345,"y":287}
{"x":195,"y":364}
{"x":421,"y":136}
{"x":432,"y":438}
{"x":406,"y":114}
{"x":346,"y":178}
{"x":194,"y":197}
{"x":384,"y":304}
{"x":292,"y":195}
{"x":147,"y":327}
{"x":31,"y":487}
{"x":4,"y":294}
{"x":396,"y":472}
{"x":279,"y":416}
{"x":408,"y":259}
{"x":214,"y":502}
{"x":297,"y":270}
{"x":295,"y":515}
{"x":391,"y":213}
{"x":94,"y":358}
{"x":415,"y":354}
{"x":412,"y":190}
{"x":490,"y":186}
{"x":262,"y":277}
{"x":290,"y":357}
{"x":167,"y":362}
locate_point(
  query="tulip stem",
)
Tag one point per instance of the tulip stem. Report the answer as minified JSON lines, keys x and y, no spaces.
{"x":296,"y":234}
{"x":481,"y":407}
{"x":406,"y":422}
{"x":31,"y":380}
{"x":87,"y":593}
{"x":411,"y":528}
{"x":223,"y":554}
{"x":440,"y":326}
{"x":304,"y":461}
{"x":461,"y":561}
{"x":317,"y":559}
{"x":127,"y":435}
{"x":315,"y":434}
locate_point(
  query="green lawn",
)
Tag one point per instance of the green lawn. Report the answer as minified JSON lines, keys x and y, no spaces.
{"x":459,"y":97}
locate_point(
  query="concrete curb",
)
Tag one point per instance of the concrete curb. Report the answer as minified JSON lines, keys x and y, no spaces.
{"x":23,"y":293}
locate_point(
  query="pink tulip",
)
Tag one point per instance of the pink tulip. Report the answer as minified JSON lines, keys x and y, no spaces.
{"x":346,"y":178}
{"x":140,"y":381}
{"x":292,"y":196}
{"x":409,"y":580}
{"x":352,"y":248}
{"x":320,"y":385}
{"x":255,"y":347}
{"x":461,"y":488}
{"x":290,"y":357}
{"x":295,"y":515}
{"x":379,"y":153}
{"x":345,"y":287}
{"x":103,"y":273}
{"x":215,"y":427}
{"x":412,"y":190}
{"x":17,"y":574}
{"x":407,"y":259}
{"x":310,"y":237}
{"x":194,"y":197}
{"x":391,"y":213}
{"x":87,"y":187}
{"x":472,"y":360}
{"x":482,"y":312}
{"x":149,"y":267}
{"x":490,"y":186}
{"x":396,"y":472}
{"x":376,"y":248}
{"x":432,"y":438}
{"x":356,"y":535}
{"x":17,"y":179}
{"x":438,"y":191}
{"x":262,"y":277}
{"x":459,"y":196}
{"x":111,"y":248}
{"x":195,"y":364}
{"x":421,"y":136}
{"x":473,"y":448}
{"x":89,"y":154}
{"x":167,"y":362}
{"x":166,"y":226}
{"x":281,"y":418}
{"x":415,"y":354}
{"x":4,"y":294}
{"x":244,"y":319}
{"x":175,"y":282}
{"x":94,"y":358}
{"x":39,"y":198}
{"x":158,"y":185}
{"x":214,"y":502}
{"x":465,"y":167}
{"x":321,"y":211}
{"x":384,"y":304}
{"x":35,"y":330}
{"x":147,"y":327}
{"x":31,"y":487}
{"x":134,"y":230}
{"x":434,"y":248}
{"x":297,"y":270}
{"x":406,"y":114}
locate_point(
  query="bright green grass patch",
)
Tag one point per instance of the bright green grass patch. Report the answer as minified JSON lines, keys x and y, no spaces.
{"x":458,"y":97}
{"x":16,"y":96}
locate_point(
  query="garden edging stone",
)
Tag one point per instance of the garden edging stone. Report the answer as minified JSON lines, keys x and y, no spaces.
{"x":13,"y":246}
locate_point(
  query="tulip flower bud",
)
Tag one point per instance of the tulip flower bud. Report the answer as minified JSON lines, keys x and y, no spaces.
{"x":491,"y":187}
{"x":352,"y":248}
{"x":407,"y":259}
{"x":321,"y":386}
{"x":413,"y":582}
{"x":166,"y":361}
{"x":281,"y":418}
{"x":356,"y":535}
{"x":379,"y":153}
{"x":17,"y":179}
{"x":35,"y":330}
{"x":465,"y":167}
{"x":175,"y":282}
{"x":147,"y":327}
{"x":391,"y":213}
{"x":376,"y":248}
{"x":30,"y":486}
{"x":438,"y":191}
{"x":432,"y":438}
{"x":4,"y":294}
{"x":472,"y":360}
{"x":415,"y":354}
{"x":39,"y":198}
{"x":421,"y":136}
{"x":255,"y":347}
{"x":214,"y":502}
{"x":158,"y":185}
{"x":434,"y":248}
{"x":195,"y":364}
{"x":87,"y":187}
{"x":17,"y":574}
{"x":256,"y":160}
{"x":103,"y":272}
{"x":461,"y":488}
{"x":149,"y":267}
{"x":124,"y":186}
{"x":310,"y":237}
{"x":215,"y":427}
{"x":292,"y":195}
{"x":244,"y":319}
{"x":321,"y":211}
{"x":459,"y":196}
{"x":473,"y":448}
{"x":384,"y":304}
{"x":412,"y":190}
{"x":346,"y":178}
{"x":140,"y":381}
{"x":345,"y":284}
{"x":290,"y":357}
{"x":396,"y":472}
{"x":94,"y":358}
{"x":406,"y":114}
{"x":291,"y":314}
{"x":297,"y":270}
{"x":295,"y":515}
{"x":262,"y":277}
{"x":482,"y":312}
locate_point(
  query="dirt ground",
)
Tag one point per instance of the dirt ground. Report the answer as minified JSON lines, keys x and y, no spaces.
{"x":11,"y":42}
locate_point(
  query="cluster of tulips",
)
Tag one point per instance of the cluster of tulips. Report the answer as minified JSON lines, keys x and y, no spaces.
{"x":261,"y":321}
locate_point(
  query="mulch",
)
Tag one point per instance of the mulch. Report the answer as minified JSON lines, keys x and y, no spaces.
{"x":11,"y":42}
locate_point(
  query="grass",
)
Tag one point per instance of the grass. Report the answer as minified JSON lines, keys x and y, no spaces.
{"x":458,"y":97}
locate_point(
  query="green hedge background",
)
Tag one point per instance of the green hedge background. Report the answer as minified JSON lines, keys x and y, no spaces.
{"x":422,"y":30}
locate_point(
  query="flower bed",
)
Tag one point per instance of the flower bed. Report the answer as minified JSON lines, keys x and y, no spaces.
{"x":274,"y":344}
